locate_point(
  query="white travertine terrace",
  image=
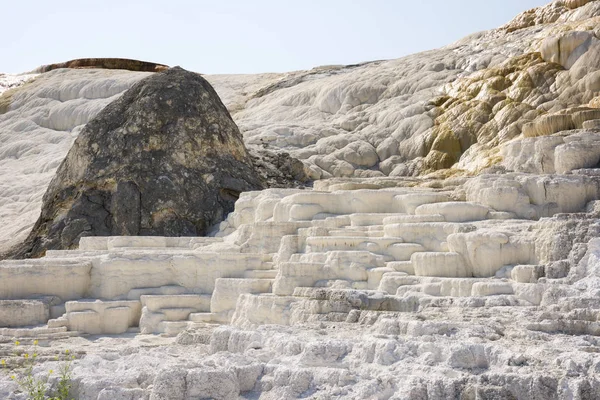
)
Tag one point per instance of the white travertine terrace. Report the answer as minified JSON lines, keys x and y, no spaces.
{"x":348,"y":239}
{"x":296,"y":257}
{"x":479,"y":280}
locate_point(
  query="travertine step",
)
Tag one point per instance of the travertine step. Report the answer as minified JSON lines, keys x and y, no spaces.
{"x":406,"y":218}
{"x":101,"y":317}
{"x":227,"y":291}
{"x":298,"y":269}
{"x":455,"y":211}
{"x":169,"y":314}
{"x":156,"y":303}
{"x":591,"y":124}
{"x":466,"y":288}
{"x":15,"y":313}
{"x":90,"y":254}
{"x":527,"y":273}
{"x":448,"y":264}
{"x":265,"y":265}
{"x":402,"y":285}
{"x":368,"y":219}
{"x":341,"y":258}
{"x":114,"y":242}
{"x":359,"y":299}
{"x":264,"y":309}
{"x":332,"y":222}
{"x":116,"y":275}
{"x":201,"y":317}
{"x":74,"y":254}
{"x":356,"y":233}
{"x":474,"y":302}
{"x":402,"y":266}
{"x":35,"y":262}
{"x":359,"y":272}
{"x":390,"y":246}
{"x":408,"y":202}
{"x":66,"y":279}
{"x":41,"y":338}
{"x":135,"y":294}
{"x":375,"y":275}
{"x":176,"y":314}
{"x":579,"y":321}
{"x":30,"y":332}
{"x":391,"y":281}
{"x":431,"y":235}
{"x":261,"y":274}
{"x":173,"y":328}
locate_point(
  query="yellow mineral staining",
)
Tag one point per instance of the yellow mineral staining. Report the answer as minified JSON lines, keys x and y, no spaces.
{"x":487,"y":108}
{"x":580,"y":117}
{"x":6,"y":100}
{"x":543,"y":15}
{"x":548,"y":124}
{"x":559,"y":49}
{"x":574,"y":3}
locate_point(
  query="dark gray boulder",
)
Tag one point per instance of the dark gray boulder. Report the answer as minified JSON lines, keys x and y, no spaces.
{"x":164,"y":159}
{"x":278,"y":169}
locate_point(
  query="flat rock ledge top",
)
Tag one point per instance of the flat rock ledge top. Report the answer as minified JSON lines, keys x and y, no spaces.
{"x":106,"y":63}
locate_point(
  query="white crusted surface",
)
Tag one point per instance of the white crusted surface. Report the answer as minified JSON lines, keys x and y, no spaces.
{"x":382,"y":288}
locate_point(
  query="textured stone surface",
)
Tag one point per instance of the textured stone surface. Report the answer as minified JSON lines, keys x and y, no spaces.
{"x":291,"y":299}
{"x":164,"y":159}
{"x":383,"y":285}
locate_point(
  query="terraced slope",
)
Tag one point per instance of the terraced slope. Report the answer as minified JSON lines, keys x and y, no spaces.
{"x":405,"y":292}
{"x":448,"y":249}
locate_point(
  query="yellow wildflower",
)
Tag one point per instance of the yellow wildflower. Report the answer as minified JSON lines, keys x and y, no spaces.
{"x":17,"y":343}
{"x":2,"y":362}
{"x":26,"y":355}
{"x":67,"y":351}
{"x":35,"y":342}
{"x":51,"y":371}
{"x":12,"y":377}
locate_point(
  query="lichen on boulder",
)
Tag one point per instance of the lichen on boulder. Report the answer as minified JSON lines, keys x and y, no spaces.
{"x":164,"y":159}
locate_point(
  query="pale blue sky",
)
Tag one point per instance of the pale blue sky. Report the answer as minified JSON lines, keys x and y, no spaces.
{"x":240,"y":36}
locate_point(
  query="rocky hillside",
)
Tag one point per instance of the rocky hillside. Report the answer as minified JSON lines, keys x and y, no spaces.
{"x":453,"y":108}
{"x":447,"y":249}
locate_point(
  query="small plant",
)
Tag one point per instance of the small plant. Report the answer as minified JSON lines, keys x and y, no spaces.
{"x":64,"y":383}
{"x":36,"y":387}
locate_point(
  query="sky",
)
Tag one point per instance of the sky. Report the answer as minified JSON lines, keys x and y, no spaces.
{"x":240,"y":36}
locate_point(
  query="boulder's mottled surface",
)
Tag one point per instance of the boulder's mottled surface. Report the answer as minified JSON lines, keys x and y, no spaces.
{"x":278,"y":169}
{"x":164,"y":159}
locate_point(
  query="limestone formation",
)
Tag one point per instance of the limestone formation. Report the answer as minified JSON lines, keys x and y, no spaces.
{"x":364,"y":282}
{"x":448,"y":248}
{"x":164,"y":159}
